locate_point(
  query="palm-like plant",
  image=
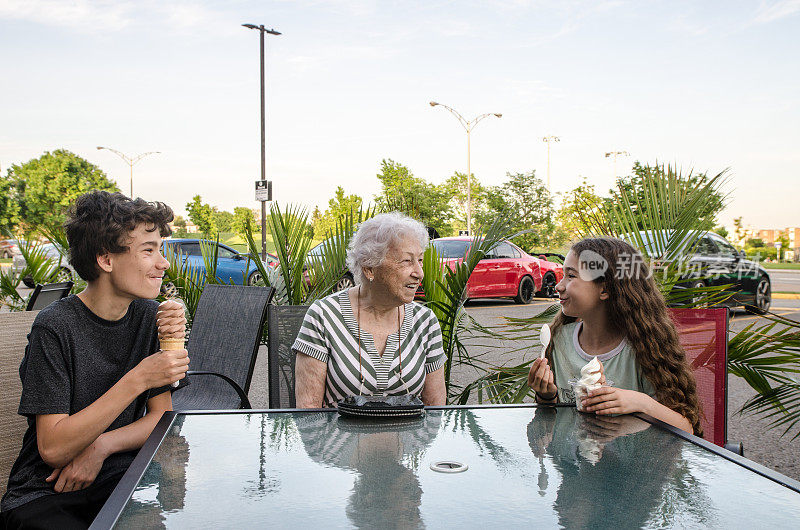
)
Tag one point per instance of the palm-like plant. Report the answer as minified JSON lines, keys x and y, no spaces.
{"x":300,"y":277}
{"x":445,"y":292}
{"x":38,"y":266}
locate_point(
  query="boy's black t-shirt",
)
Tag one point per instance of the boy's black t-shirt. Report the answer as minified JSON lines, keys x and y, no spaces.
{"x":73,"y":357}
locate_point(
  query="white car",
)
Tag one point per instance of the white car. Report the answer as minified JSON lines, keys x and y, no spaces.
{"x":63,"y":270}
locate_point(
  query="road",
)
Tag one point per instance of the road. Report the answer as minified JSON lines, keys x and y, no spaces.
{"x":785,"y":280}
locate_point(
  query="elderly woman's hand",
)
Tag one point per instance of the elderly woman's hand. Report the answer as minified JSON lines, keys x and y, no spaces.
{"x":309,"y":375}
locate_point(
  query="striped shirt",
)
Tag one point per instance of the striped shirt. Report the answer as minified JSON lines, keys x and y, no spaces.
{"x":329,"y":334}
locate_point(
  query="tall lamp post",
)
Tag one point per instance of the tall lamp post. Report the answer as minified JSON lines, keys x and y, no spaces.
{"x":262,"y":30}
{"x":468,"y":126}
{"x":615,"y":154}
{"x":547,"y":140}
{"x":131,"y":161}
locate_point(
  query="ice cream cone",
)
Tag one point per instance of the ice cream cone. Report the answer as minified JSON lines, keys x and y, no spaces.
{"x":171,"y":343}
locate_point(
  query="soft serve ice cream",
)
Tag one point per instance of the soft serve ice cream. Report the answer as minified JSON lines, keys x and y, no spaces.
{"x":591,"y":374}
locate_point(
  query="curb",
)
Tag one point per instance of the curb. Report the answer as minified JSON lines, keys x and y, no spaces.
{"x":786,"y":296}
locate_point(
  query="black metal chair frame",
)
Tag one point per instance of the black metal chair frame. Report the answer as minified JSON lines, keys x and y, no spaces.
{"x":241,"y":392}
{"x":64,"y":287}
{"x":274,"y":360}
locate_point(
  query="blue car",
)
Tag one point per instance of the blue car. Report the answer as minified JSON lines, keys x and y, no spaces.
{"x":232,"y":266}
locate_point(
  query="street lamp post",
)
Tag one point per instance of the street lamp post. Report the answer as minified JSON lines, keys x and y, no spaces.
{"x":547,"y":140}
{"x":615,"y":154}
{"x":262,"y":30}
{"x":131,"y":161}
{"x":468,"y":126}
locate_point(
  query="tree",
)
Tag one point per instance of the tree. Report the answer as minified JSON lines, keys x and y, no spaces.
{"x":783,"y":239}
{"x":9,"y":206}
{"x":633,"y":186}
{"x":738,"y":229}
{"x":402,"y":190}
{"x":202,"y":215}
{"x":48,"y":185}
{"x":241,"y":217}
{"x":721,"y":230}
{"x":456,"y":189}
{"x":223,"y":220}
{"x":339,"y":206}
{"x":180,"y":226}
{"x":525,"y":198}
{"x":581,"y":199}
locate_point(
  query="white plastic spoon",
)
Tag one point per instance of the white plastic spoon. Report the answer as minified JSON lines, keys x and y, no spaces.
{"x":544,"y":338}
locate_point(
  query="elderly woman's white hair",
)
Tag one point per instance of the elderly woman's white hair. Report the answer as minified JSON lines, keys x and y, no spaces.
{"x":374,"y":237}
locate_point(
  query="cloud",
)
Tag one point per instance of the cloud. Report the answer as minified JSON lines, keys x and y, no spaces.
{"x":772,"y":11}
{"x":684,"y":24}
{"x":100,"y":16}
{"x":79,"y":14}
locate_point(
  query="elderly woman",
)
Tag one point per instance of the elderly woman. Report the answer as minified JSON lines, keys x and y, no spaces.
{"x":373,"y":339}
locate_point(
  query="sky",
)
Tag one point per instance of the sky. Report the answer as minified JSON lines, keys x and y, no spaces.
{"x":706,"y":86}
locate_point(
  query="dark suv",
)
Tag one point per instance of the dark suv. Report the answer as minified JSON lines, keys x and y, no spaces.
{"x":717,"y":262}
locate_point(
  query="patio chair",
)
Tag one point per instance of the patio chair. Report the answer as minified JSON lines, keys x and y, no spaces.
{"x":14,"y":329}
{"x":223,"y":345}
{"x":284,"y":324}
{"x":704,"y":335}
{"x":44,"y":295}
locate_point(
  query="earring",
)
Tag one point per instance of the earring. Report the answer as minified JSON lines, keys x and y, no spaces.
{"x":371,"y":279}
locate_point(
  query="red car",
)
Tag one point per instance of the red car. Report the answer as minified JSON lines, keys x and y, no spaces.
{"x":508,"y":271}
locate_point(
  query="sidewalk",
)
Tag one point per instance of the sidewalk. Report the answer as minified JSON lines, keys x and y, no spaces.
{"x":786,"y":296}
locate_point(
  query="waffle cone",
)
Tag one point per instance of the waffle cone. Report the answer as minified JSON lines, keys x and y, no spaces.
{"x":171,"y":344}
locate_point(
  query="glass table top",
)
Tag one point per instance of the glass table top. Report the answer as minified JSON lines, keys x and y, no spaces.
{"x":548,"y":467}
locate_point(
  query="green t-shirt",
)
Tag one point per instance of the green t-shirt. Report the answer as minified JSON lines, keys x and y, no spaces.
{"x":619,"y":364}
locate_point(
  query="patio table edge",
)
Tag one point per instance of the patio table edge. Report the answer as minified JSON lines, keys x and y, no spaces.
{"x":112,"y":509}
{"x":755,"y":467}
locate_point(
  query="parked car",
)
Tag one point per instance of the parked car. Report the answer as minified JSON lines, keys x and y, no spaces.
{"x":345,"y":282}
{"x":8,"y":247}
{"x":232,"y":266}
{"x":63,"y":270}
{"x":715,"y":262}
{"x":507,"y":271}
{"x":552,"y":266}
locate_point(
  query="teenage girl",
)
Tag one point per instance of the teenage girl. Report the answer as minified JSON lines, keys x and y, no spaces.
{"x":612,"y":309}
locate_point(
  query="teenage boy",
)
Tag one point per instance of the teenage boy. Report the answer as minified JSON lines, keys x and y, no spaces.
{"x":93,"y":381}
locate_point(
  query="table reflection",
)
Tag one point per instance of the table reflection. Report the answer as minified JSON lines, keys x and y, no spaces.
{"x":167,"y":475}
{"x":638,"y":471}
{"x":386,"y":491}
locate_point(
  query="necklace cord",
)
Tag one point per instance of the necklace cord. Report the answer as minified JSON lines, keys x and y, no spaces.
{"x":399,"y":344}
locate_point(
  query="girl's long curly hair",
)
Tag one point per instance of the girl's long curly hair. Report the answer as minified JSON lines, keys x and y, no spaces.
{"x":637,"y":309}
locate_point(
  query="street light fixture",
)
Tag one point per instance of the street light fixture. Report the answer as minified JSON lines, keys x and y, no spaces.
{"x":262,"y":30}
{"x":615,"y":154}
{"x":468,"y":126}
{"x":547,"y":140}
{"x":131,"y":161}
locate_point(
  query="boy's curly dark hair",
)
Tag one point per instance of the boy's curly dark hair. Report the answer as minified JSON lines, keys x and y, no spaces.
{"x":99,"y":223}
{"x":637,"y":308}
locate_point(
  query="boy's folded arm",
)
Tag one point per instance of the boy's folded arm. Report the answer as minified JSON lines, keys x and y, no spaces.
{"x":134,"y":435}
{"x":61,"y":437}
